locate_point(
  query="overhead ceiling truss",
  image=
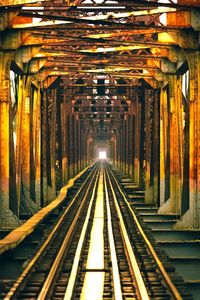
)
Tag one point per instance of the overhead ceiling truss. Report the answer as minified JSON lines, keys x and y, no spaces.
{"x":132,"y":40}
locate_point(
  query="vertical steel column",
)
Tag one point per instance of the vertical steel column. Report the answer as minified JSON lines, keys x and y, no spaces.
{"x":164,"y":147}
{"x":75,"y":124}
{"x":137,"y":137}
{"x":121,"y":147}
{"x":130,"y":145}
{"x":191,"y":219}
{"x":71,"y":145}
{"x":142,"y":142}
{"x":148,"y":145}
{"x":23,"y":156}
{"x":24,"y":136}
{"x":115,"y":151}
{"x":48,"y":144}
{"x":44,"y":184}
{"x":118,"y":140}
{"x":112,"y":150}
{"x":68,"y":139}
{"x":151,"y":146}
{"x":126,"y":144}
{"x":176,"y":154}
{"x":155,"y":148}
{"x":37,"y":134}
{"x":85,"y":150}
{"x":79,"y":145}
{"x":64,"y":131}
{"x":118,"y":149}
{"x":194,"y":65}
{"x":6,"y":217}
{"x":81,"y":140}
{"x":52,"y":126}
{"x":19,"y":139}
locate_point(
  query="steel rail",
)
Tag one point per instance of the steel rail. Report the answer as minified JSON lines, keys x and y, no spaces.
{"x":141,"y":288}
{"x":115,"y":270}
{"x":20,"y":281}
{"x":74,"y":271}
{"x":52,"y":273}
{"x":162,"y":270}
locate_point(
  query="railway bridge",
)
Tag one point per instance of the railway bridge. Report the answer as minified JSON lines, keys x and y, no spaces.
{"x":100,"y":149}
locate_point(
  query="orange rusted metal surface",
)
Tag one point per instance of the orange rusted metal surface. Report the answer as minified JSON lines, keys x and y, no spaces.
{"x":86,"y":76}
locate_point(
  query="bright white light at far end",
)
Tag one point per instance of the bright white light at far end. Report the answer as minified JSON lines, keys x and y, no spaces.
{"x":102,"y":154}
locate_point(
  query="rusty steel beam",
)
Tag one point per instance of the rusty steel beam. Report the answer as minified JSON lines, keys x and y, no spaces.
{"x":18,"y":3}
{"x":139,"y":4}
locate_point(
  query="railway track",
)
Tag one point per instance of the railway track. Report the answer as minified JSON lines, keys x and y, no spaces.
{"x":13,"y":262}
{"x":98,"y":250}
